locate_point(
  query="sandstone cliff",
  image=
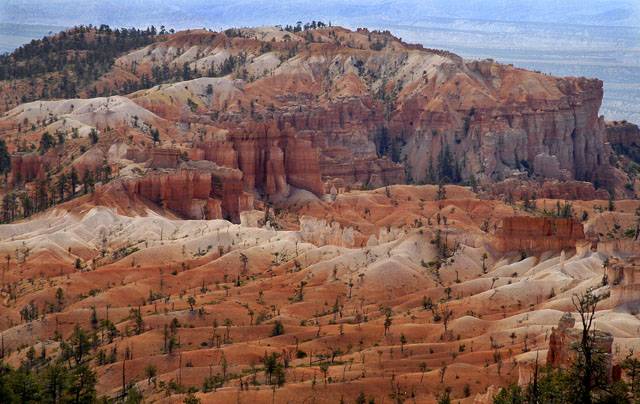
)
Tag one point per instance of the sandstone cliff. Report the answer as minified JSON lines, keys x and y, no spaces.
{"x":624,"y":277}
{"x":537,"y":234}
{"x":195,"y":191}
{"x":327,"y":108}
{"x":380,"y":116}
{"x":624,"y":138}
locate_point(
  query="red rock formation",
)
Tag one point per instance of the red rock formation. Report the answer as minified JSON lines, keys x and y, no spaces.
{"x":164,"y":158}
{"x":559,"y":347}
{"x":302,"y":166}
{"x":228,"y":187}
{"x":624,"y":137}
{"x":137,"y":155}
{"x":343,"y":132}
{"x":184,"y":191}
{"x":537,"y":234}
{"x":624,"y":278}
{"x":196,"y":190}
{"x":220,"y":152}
{"x":345,"y":112}
{"x":270,"y":159}
{"x":562,"y":354}
{"x":195,"y":154}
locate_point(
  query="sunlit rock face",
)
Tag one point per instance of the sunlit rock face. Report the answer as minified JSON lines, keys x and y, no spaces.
{"x":623,"y":274}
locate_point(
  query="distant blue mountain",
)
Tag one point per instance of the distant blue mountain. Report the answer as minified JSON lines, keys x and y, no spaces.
{"x":195,"y":13}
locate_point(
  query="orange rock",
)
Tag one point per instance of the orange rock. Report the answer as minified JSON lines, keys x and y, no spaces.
{"x":562,"y":354}
{"x":537,"y":234}
{"x":164,"y":158}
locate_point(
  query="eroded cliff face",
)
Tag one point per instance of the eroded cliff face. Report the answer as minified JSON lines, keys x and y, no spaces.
{"x":504,"y":121}
{"x":330,"y":108}
{"x":624,"y":277}
{"x":537,"y":234}
{"x":269,"y":159}
{"x":385,"y":115}
{"x":195,"y":191}
{"x":624,"y":138}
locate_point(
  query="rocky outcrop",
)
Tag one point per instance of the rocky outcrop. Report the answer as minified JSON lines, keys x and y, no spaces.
{"x":302,"y":166}
{"x":623,"y":276}
{"x":515,"y":189}
{"x":222,"y":153}
{"x":164,"y":158}
{"x":320,"y":232}
{"x":408,"y":113}
{"x":548,"y":166}
{"x":155,"y":157}
{"x":270,"y":159}
{"x":624,"y":138}
{"x":195,"y":191}
{"x":344,"y":134}
{"x":495,"y":137}
{"x":184,"y":191}
{"x":537,"y":234}
{"x":487,"y":396}
{"x":617,"y":247}
{"x":348,"y":112}
{"x":137,"y":155}
{"x":562,"y":354}
{"x":227,"y":185}
{"x":559,"y":353}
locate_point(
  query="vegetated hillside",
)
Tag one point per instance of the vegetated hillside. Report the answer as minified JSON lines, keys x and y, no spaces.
{"x":60,"y":66}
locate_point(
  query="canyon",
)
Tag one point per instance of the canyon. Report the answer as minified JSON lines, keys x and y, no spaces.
{"x":319,"y":215}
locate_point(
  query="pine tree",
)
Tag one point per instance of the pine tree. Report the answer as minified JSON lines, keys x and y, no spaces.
{"x":87,"y":181}
{"x":5,"y":160}
{"x":62,"y":185}
{"x":46,"y":142}
{"x":73,"y":179}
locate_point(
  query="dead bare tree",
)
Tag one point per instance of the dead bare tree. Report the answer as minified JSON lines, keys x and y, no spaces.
{"x":589,"y":364}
